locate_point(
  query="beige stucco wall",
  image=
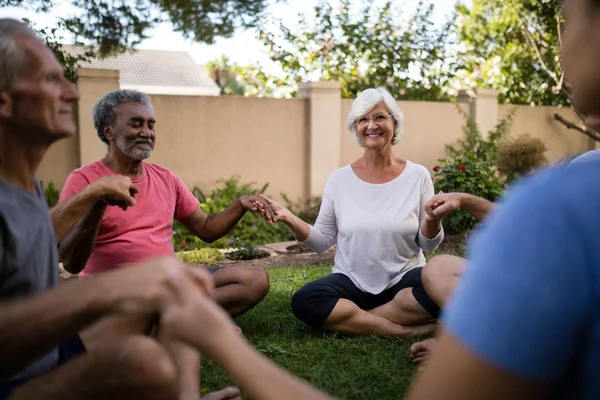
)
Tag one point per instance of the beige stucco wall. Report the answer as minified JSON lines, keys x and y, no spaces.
{"x":206,"y":138}
{"x":539,"y":122}
{"x":92,"y":84}
{"x":203,"y":139}
{"x":60,"y":159}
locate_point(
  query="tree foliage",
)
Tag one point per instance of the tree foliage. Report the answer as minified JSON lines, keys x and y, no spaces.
{"x":513,"y":46}
{"x":371,"y":47}
{"x":113,"y":26}
{"x":245,"y":80}
{"x":67,"y":60}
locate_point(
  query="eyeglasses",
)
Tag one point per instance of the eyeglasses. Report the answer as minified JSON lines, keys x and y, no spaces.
{"x":377,"y":119}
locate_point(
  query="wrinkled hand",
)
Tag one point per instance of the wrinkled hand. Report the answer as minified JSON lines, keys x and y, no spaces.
{"x":117,"y":190}
{"x":281,"y":213}
{"x":442,"y":204}
{"x":195,"y":318}
{"x":145,"y":289}
{"x":259,"y":205}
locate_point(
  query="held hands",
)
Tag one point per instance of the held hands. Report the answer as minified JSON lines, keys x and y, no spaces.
{"x":442,"y":204}
{"x":281,"y":213}
{"x":115,"y":190}
{"x":260,"y":205}
{"x":182,"y":295}
{"x":193,"y":317}
{"x":144,"y":288}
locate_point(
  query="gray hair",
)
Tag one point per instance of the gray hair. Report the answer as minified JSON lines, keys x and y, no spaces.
{"x":12,"y":56}
{"x":366,"y":101}
{"x":106,"y":109}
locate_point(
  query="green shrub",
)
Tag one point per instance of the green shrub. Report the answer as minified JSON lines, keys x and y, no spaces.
{"x":184,"y":240}
{"x":201,"y":256}
{"x":307,"y":211}
{"x":242,"y":249}
{"x":471,"y":168}
{"x":521,"y":156}
{"x":51,"y":193}
{"x":252,"y":227}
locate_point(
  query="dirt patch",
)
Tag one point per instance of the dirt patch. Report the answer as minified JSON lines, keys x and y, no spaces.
{"x":299,"y":248}
{"x":286,"y":260}
{"x":236,"y":257}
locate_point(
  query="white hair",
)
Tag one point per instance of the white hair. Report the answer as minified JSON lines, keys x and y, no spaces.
{"x":366,"y":101}
{"x":13,"y":58}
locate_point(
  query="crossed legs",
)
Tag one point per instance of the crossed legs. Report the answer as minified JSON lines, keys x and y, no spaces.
{"x":334,"y":303}
{"x":440,"y":276}
{"x":238,"y":289}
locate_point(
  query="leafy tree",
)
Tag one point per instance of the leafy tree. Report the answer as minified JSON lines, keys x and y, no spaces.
{"x":112,"y":26}
{"x":222,"y":72}
{"x":67,"y":60}
{"x":371,"y":47}
{"x":245,"y":80}
{"x":513,"y":46}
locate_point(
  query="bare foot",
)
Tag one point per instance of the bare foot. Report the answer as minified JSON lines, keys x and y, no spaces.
{"x":230,"y":393}
{"x":420,"y":351}
{"x":412,"y":331}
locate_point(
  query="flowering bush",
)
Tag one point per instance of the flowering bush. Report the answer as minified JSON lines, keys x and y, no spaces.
{"x":471,"y":168}
{"x":467,"y":174}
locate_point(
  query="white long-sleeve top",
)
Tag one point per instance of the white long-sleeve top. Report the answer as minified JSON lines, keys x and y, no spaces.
{"x":376,"y":227}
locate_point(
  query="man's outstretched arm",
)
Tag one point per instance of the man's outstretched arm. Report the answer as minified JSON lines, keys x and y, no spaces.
{"x":213,"y":227}
{"x":478,"y":207}
{"x":444,"y":203}
{"x":197,"y":320}
{"x":30,"y":327}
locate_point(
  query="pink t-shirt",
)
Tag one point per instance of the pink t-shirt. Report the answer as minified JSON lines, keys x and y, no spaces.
{"x":142,"y":231}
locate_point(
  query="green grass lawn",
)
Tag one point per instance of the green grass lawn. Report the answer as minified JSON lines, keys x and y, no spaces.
{"x":347,"y":367}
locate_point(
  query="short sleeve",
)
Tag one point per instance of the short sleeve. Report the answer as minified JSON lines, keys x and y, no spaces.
{"x":186,"y":202}
{"x":525,"y":300}
{"x":75,"y":183}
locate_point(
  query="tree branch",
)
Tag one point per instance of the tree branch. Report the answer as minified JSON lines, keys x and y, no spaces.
{"x":583,"y":129}
{"x":536,"y":48}
{"x":561,"y":83}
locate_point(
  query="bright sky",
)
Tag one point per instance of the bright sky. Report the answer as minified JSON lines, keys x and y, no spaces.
{"x":243,"y":48}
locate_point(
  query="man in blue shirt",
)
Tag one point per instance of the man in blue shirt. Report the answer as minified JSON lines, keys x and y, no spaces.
{"x":524,"y":321}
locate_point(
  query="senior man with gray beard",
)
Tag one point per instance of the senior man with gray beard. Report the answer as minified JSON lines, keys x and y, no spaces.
{"x":131,"y":207}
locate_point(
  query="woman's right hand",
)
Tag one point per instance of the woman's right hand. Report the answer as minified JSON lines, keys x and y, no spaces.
{"x":281,"y":213}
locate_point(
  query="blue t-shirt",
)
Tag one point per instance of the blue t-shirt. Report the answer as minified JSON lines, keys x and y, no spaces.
{"x":529,"y":302}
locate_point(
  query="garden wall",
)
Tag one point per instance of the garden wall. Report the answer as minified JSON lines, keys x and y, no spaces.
{"x":294,"y":144}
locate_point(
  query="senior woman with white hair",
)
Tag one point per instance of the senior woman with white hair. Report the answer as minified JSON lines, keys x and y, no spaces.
{"x":373,"y":209}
